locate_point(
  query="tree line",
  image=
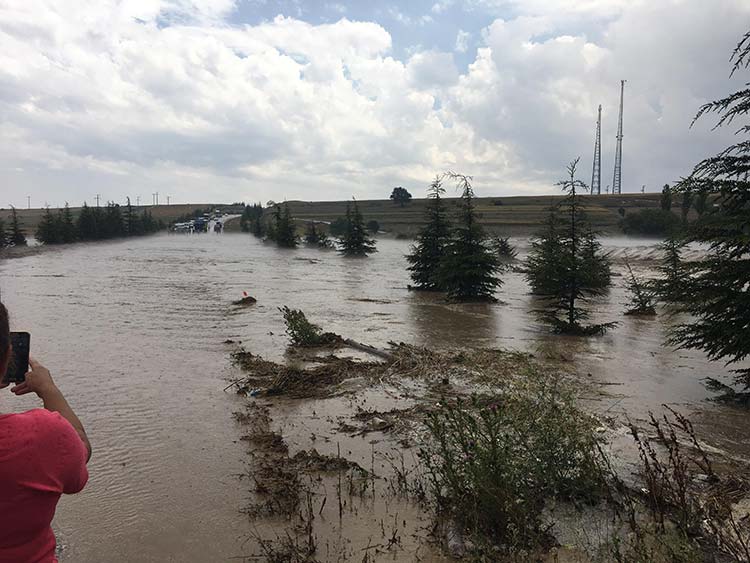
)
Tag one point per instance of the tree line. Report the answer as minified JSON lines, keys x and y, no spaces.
{"x":95,"y":223}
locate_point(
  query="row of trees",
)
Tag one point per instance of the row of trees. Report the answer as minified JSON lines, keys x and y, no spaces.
{"x":95,"y":223}
{"x":13,"y":235}
{"x":565,"y":265}
{"x":280,"y":227}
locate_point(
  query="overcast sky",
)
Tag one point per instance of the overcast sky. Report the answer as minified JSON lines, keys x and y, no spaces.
{"x":223,"y":100}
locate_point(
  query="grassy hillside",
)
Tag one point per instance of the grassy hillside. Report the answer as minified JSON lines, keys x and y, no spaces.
{"x":511,"y":215}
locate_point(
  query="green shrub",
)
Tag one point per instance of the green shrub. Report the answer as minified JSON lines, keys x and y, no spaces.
{"x":304,"y":333}
{"x":650,"y":222}
{"x":491,"y":465}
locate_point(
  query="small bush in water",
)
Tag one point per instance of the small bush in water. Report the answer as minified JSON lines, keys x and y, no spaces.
{"x":304,"y":333}
{"x":492,"y":464}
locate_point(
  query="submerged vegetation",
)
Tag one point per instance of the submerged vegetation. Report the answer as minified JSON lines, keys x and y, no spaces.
{"x":496,"y":470}
{"x":354,"y":241}
{"x":565,"y":266}
{"x":469,"y":269}
{"x":428,"y":250}
{"x":641,"y":293}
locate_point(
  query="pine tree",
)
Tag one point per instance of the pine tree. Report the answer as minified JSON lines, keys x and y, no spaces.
{"x":666,"y":198}
{"x":469,"y":269}
{"x":355,"y":241}
{"x":505,"y":250}
{"x":427,"y":253}
{"x":317,"y":237}
{"x":312,"y":236}
{"x":3,"y":236}
{"x":701,"y":203}
{"x":68,"y":231}
{"x":113,"y":225}
{"x":594,"y":261}
{"x":16,"y":236}
{"x":286,"y":232}
{"x":641,"y":295}
{"x":47,"y":230}
{"x":86,"y":223}
{"x":687,"y":203}
{"x":132,"y":222}
{"x":566,"y":267}
{"x":716,"y":293}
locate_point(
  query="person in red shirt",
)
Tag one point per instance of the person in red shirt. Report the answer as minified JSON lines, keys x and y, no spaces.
{"x":43,"y":454}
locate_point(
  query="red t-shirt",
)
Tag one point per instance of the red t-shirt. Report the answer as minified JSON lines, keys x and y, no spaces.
{"x":41,"y":457}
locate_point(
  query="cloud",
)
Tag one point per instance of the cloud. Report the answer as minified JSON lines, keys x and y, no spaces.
{"x":155,"y":95}
{"x":441,"y":6}
{"x":462,"y":41}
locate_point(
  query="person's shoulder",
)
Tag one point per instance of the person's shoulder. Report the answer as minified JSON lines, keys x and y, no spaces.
{"x":43,"y":421}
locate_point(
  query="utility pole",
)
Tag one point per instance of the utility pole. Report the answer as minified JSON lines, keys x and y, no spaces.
{"x":167,"y":200}
{"x":28,"y":202}
{"x":97,"y":199}
{"x":617,"y":178}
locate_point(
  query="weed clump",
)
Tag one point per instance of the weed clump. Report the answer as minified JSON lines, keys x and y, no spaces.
{"x":303,"y":333}
{"x":492,"y":465}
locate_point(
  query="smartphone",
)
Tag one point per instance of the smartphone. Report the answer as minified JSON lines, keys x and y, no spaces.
{"x":19,"y":359}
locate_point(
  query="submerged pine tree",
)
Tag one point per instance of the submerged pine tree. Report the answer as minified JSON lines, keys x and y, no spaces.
{"x":355,"y":241}
{"x":641,"y":295}
{"x":68,"y":230}
{"x":469,"y":269}
{"x":47,"y":230}
{"x":286,"y":232}
{"x":670,"y":285}
{"x":566,"y":267}
{"x":428,"y":251}
{"x":543,"y":265}
{"x":316,"y":237}
{"x":16,"y":236}
{"x":716,"y":293}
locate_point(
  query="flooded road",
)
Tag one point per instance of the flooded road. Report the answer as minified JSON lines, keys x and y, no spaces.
{"x":134,"y":331}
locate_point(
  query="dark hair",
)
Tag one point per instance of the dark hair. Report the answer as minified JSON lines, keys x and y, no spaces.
{"x":4,"y":333}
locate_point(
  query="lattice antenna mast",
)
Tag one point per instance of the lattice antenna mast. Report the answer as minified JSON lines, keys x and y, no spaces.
{"x":617,"y":179}
{"x":596,"y":174}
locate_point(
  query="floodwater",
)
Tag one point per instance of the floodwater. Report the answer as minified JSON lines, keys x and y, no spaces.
{"x":134,"y":333}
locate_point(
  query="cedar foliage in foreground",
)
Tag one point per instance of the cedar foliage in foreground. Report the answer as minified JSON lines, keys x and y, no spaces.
{"x":469,"y":269}
{"x":716,"y":293}
{"x":427,"y":253}
{"x":565,"y":266}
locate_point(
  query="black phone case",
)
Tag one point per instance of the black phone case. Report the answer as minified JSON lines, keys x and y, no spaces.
{"x":19,"y":360}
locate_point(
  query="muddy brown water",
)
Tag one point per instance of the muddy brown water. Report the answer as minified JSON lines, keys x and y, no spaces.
{"x":134,"y":333}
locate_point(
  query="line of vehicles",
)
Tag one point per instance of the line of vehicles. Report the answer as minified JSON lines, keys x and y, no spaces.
{"x":202,"y":224}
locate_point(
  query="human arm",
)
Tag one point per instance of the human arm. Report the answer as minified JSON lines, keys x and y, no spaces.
{"x":39,"y":381}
